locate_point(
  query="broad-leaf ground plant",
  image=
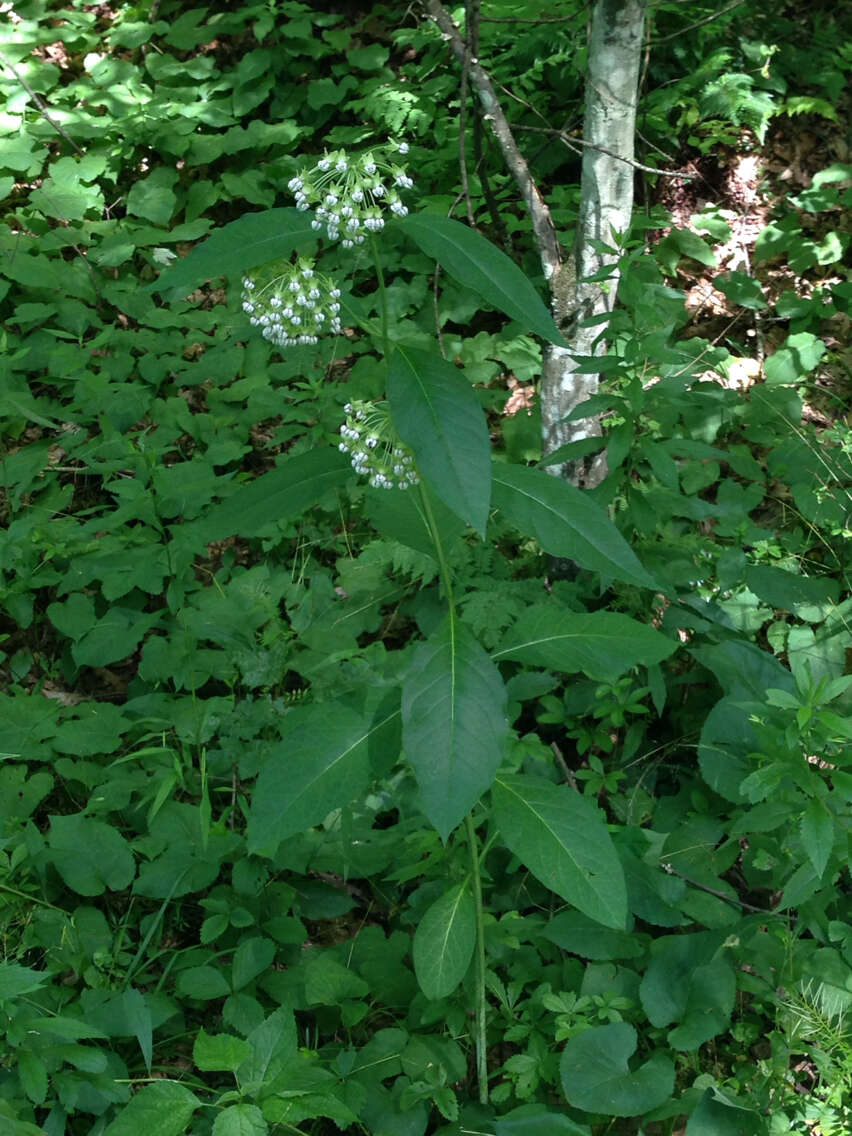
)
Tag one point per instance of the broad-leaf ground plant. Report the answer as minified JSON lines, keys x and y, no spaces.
{"x":327,"y":805}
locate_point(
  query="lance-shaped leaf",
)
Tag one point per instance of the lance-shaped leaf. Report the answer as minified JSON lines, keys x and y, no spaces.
{"x":597,"y":1078}
{"x":453,"y":723}
{"x":563,"y":840}
{"x":254,"y":239}
{"x":437,"y":415}
{"x":284,"y":492}
{"x":320,"y":764}
{"x":565,"y":522}
{"x":478,"y":264}
{"x":601,"y":644}
{"x":444,"y":942}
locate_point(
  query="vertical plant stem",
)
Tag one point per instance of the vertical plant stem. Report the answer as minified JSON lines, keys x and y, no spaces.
{"x":481,"y":1040}
{"x":383,"y":298}
{"x":446,"y":578}
{"x":480,"y":1007}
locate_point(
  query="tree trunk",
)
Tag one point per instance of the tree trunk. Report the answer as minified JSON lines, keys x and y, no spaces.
{"x":606,"y":204}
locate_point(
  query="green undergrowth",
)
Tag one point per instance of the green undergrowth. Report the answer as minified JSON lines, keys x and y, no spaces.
{"x":331,"y":807}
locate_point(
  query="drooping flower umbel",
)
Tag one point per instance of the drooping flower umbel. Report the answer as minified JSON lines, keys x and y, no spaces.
{"x":376,"y":451}
{"x":293,"y":306}
{"x":348,"y":194}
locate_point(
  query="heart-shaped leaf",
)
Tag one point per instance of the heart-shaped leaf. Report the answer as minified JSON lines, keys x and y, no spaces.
{"x":597,"y":1078}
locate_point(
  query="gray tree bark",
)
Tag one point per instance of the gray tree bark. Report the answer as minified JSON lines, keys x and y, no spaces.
{"x":606,"y":205}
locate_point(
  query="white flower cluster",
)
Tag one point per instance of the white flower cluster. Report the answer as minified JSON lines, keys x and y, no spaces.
{"x":348,"y":194}
{"x":293,"y":307}
{"x":376,"y":451}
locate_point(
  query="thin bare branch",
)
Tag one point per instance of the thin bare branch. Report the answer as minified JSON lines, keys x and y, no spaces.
{"x":669,"y":870}
{"x":542,"y":222}
{"x":528,"y":19}
{"x":698,"y":23}
{"x":571,"y":142}
{"x":465,"y":183}
{"x":38,"y":101}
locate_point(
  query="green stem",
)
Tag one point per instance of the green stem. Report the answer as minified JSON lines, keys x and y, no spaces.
{"x":383,"y":297}
{"x":481,"y":1040}
{"x":446,"y":578}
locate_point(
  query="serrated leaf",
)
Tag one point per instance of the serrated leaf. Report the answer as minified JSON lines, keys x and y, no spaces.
{"x":16,"y":980}
{"x":597,"y":1078}
{"x":563,"y":840}
{"x":565,"y":522}
{"x":90,"y":855}
{"x":285,"y":492}
{"x":163,"y":1108}
{"x":454,"y":726}
{"x":478,"y":264}
{"x":254,"y":239}
{"x":436,"y":414}
{"x":601,"y":644}
{"x":240,"y":1120}
{"x":444,"y":942}
{"x":320,"y":764}
{"x":219,"y":1052}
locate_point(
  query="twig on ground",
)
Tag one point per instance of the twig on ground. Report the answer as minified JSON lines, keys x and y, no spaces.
{"x":38,"y":102}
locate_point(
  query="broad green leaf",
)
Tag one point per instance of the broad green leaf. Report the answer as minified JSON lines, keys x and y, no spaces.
{"x":252,"y":957}
{"x":538,"y":1120}
{"x":221,"y":1051}
{"x":401,"y":516}
{"x":32,"y":1073}
{"x":153,"y":198}
{"x":16,"y":980}
{"x":478,"y":264}
{"x":795,"y":360}
{"x":240,"y":1120}
{"x":720,"y":1114}
{"x":563,"y":839}
{"x":273,"y":1043}
{"x":602,"y":644}
{"x":742,"y":289}
{"x":284,"y":492}
{"x":454,"y":726}
{"x":163,"y":1108}
{"x":817,"y":833}
{"x":202,"y":982}
{"x":674,"y":977}
{"x":437,"y":415}
{"x":597,"y":1078}
{"x":254,"y":239}
{"x":321,"y":762}
{"x":683,"y":242}
{"x":579,"y":935}
{"x":565,"y":522}
{"x":63,"y":195}
{"x":444,"y":942}
{"x":89,"y":855}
